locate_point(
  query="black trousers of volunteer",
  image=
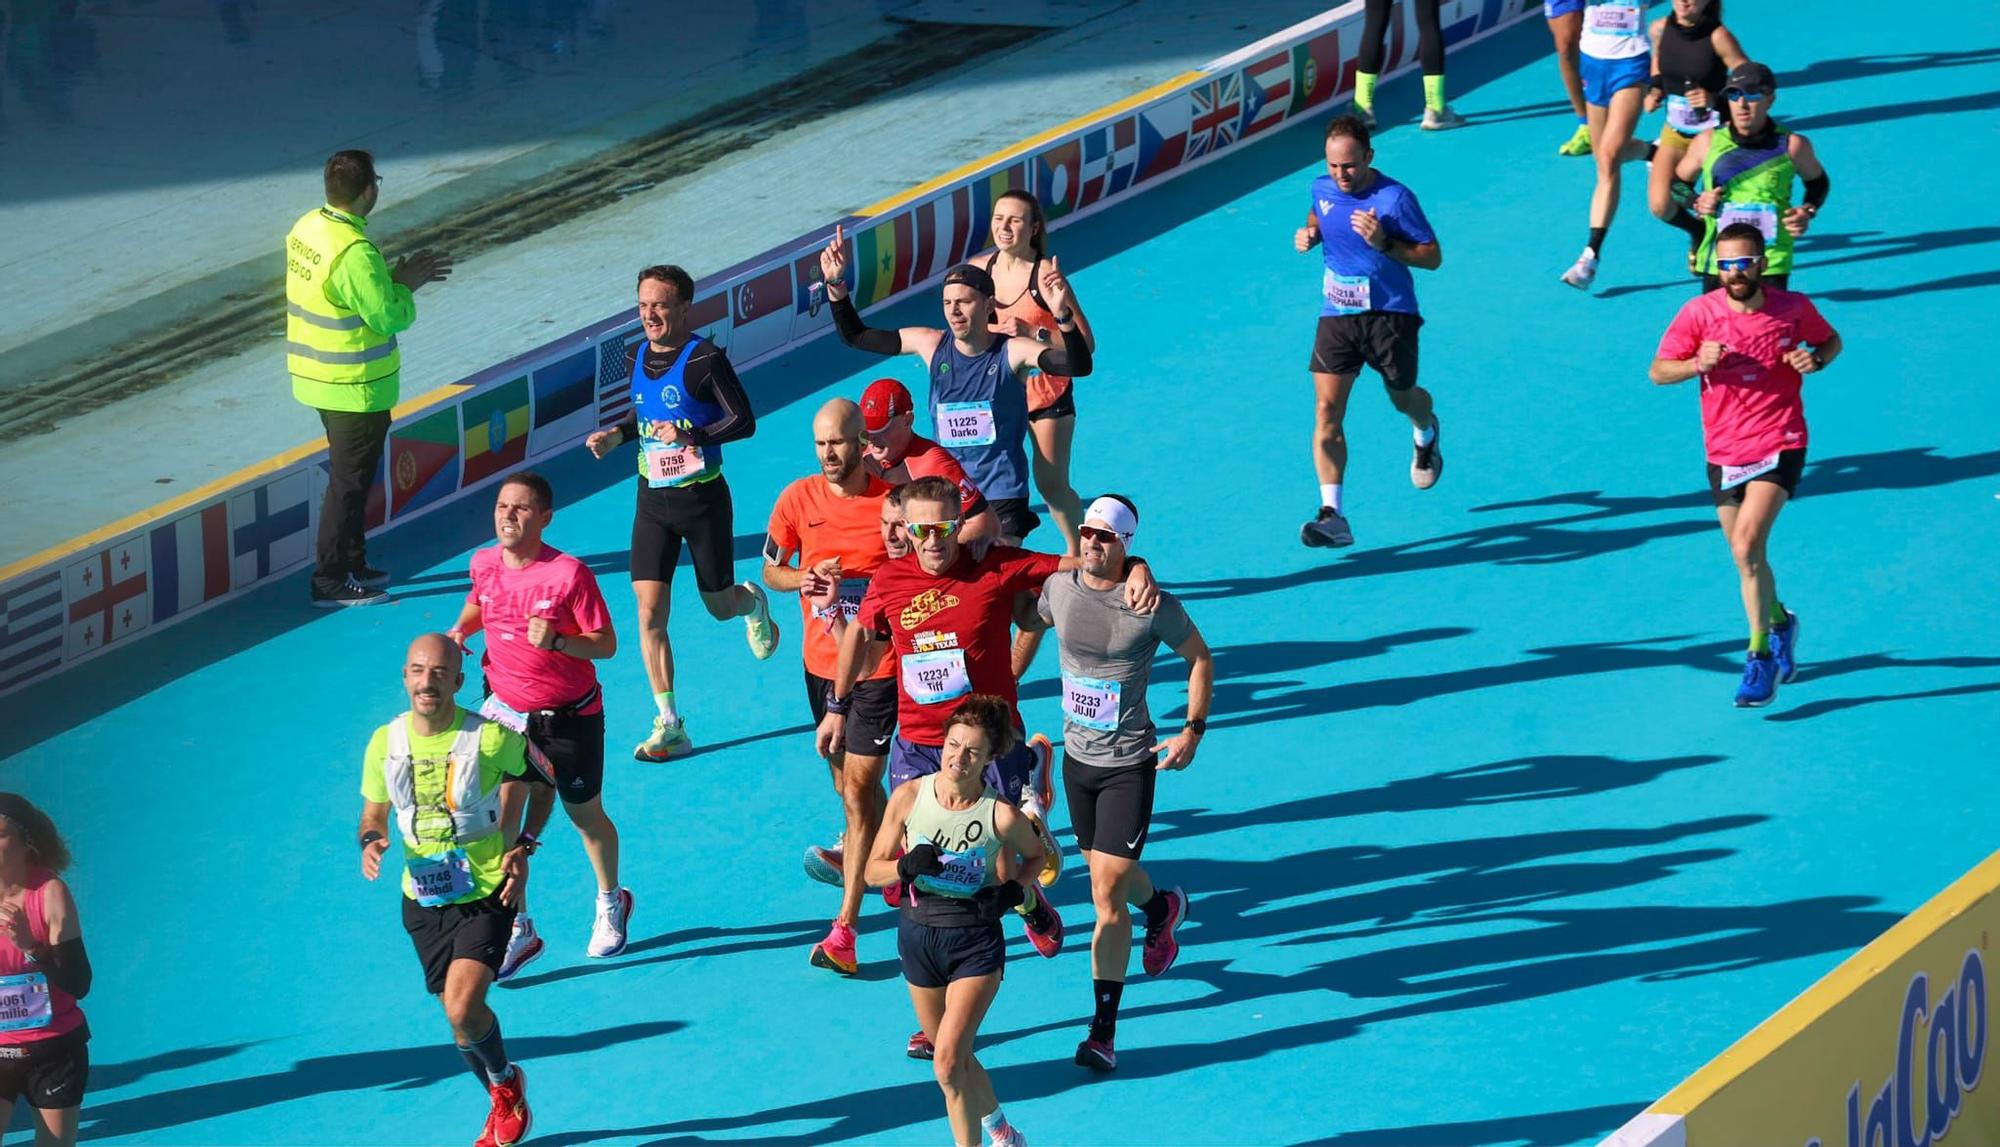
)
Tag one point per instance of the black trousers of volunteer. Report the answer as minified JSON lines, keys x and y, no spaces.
{"x":354,"y":444}
{"x":702,"y":515}
{"x":49,"y":1073}
{"x":1110,"y":810}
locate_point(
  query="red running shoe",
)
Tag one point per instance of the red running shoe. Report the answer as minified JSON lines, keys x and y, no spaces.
{"x":1045,"y":929}
{"x":507,"y":1124}
{"x":921,"y":1046}
{"x":836,"y":952}
{"x":1161,"y":947}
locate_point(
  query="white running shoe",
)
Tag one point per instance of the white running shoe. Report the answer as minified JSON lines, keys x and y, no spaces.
{"x":523,"y":945}
{"x":607,"y":935}
{"x":758,"y":626}
{"x":1584,"y":273}
{"x":1442,"y":119}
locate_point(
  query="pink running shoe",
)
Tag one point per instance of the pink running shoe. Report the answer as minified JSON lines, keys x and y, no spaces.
{"x":1161,"y":947}
{"x":921,"y":1047}
{"x":836,"y":952}
{"x":1097,"y":1055}
{"x":1045,"y":929}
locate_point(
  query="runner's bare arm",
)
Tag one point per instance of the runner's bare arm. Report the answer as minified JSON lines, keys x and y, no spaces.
{"x":1180,"y":748}
{"x":1019,"y":837}
{"x":1689,"y":168}
{"x":514,"y":795}
{"x":470,"y":621}
{"x":374,"y":834}
{"x":779,"y":572}
{"x":880,"y":871}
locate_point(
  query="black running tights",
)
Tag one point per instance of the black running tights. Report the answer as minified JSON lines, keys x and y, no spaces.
{"x":1430,"y":39}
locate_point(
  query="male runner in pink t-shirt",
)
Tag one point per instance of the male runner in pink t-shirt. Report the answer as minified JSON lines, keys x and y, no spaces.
{"x":546,"y":622}
{"x":1750,"y":345}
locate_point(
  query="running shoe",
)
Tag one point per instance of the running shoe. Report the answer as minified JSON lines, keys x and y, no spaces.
{"x":1760,"y":682}
{"x":1045,"y":928}
{"x":836,"y":952}
{"x":1011,"y":1137}
{"x":1161,"y":947}
{"x":1328,"y":530}
{"x":1097,"y":1055}
{"x":607,"y":935}
{"x":1785,"y":648}
{"x":1578,"y":142}
{"x":1042,"y":779}
{"x":507,"y":1123}
{"x":1427,"y":463}
{"x":669,"y":739}
{"x":825,"y":864}
{"x":350,"y":592}
{"x":758,"y":626}
{"x":370,"y":577}
{"x":1365,"y":115}
{"x":1442,"y":119}
{"x":523,"y":945}
{"x":1036,"y":805}
{"x":921,"y":1047}
{"x":1583,"y":273}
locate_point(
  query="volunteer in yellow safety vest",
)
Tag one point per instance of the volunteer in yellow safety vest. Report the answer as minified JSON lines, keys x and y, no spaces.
{"x":343,"y":310}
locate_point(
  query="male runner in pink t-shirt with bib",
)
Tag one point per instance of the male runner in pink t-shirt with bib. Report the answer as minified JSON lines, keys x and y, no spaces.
{"x":545,"y":623}
{"x":1750,"y":345}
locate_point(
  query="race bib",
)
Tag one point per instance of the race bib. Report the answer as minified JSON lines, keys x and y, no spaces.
{"x":439,"y":880}
{"x":1734,"y":476}
{"x":1762,"y":216}
{"x":24,"y":1002}
{"x":936,"y":677}
{"x":1091,"y":703}
{"x":964,"y":874}
{"x":1614,"y":19}
{"x":1346,"y":294}
{"x":965,"y":424}
{"x":500,"y":712}
{"x":1688,"y":119}
{"x":852,"y":590}
{"x":672,"y":465}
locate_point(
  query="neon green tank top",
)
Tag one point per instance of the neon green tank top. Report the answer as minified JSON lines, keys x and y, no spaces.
{"x":1756,"y":187}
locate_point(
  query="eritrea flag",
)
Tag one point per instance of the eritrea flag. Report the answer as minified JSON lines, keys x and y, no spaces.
{"x":495,"y":429}
{"x":423,"y":461}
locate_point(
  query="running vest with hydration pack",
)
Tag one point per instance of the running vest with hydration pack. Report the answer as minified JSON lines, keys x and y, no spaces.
{"x":1756,"y":187}
{"x":326,"y":343}
{"x":474,"y":813}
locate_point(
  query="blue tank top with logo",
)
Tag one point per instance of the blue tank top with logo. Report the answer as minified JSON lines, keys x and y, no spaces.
{"x":667,"y":399}
{"x":980,"y":408}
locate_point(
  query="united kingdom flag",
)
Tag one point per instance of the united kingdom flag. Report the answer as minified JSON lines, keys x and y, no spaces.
{"x":1216,"y":114}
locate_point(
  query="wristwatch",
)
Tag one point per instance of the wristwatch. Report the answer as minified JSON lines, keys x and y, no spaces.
{"x":368,"y":838}
{"x":1819,"y":360}
{"x":529,"y":841}
{"x":1197,"y":725}
{"x":560,"y":642}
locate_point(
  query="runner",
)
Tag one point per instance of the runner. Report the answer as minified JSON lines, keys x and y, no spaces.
{"x":1616,"y":63}
{"x":1020,"y":243}
{"x":686,"y":402}
{"x":545,"y":623}
{"x":1372,"y":232}
{"x":1565,"y":18}
{"x":1746,"y":169}
{"x":454,"y":782}
{"x":44,"y":971}
{"x":1692,"y":55}
{"x":1749,"y":343}
{"x":966,"y":857}
{"x":895,"y":451}
{"x":1112,"y":755}
{"x":981,"y":411}
{"x":831,"y":522}
{"x":1438,"y":115}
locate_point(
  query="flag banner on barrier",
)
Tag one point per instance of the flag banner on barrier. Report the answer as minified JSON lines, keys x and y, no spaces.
{"x":614,"y":376}
{"x":1163,"y":131}
{"x":1215,"y":112}
{"x":1059,"y":178}
{"x":190,"y":561}
{"x":1316,"y":72}
{"x":31,"y":628}
{"x":1267,"y":93}
{"x":565,"y":401}
{"x":423,"y":461}
{"x":763,"y":316}
{"x":494,"y":430}
{"x":106,"y":593}
{"x":270,"y":526}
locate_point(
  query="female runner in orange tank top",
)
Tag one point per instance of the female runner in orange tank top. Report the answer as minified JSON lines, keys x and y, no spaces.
{"x":1020,"y":242}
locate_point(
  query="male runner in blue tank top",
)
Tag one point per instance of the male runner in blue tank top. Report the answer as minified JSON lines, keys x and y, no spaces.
{"x":686,"y":402}
{"x":978,"y":395}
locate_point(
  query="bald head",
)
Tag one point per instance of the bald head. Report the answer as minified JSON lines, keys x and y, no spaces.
{"x":837,"y":440}
{"x":433,"y":671}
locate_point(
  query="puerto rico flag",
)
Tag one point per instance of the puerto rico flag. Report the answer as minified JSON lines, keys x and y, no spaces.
{"x":1267,"y":93}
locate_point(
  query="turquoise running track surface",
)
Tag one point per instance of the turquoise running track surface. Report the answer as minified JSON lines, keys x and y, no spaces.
{"x":1479,"y":850}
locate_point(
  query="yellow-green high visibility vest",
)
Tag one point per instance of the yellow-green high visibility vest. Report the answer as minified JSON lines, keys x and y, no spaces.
{"x":324,"y":342}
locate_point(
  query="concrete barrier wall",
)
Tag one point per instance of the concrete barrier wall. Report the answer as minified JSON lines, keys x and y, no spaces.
{"x":117,"y":584}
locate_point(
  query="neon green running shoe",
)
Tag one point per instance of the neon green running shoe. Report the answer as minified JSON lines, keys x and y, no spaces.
{"x":1579,"y":143}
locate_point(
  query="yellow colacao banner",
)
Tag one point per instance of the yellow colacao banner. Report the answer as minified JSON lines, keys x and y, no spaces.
{"x":1888,"y":1050}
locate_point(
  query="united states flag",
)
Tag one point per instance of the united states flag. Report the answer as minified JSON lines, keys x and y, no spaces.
{"x":1215,"y":115}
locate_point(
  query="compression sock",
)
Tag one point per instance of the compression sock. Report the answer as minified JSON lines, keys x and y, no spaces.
{"x":1691,"y":223}
{"x":1156,"y":907}
{"x":1329,"y":495}
{"x":1596,"y":243}
{"x":1104,"y":1024}
{"x":488,"y":1055}
{"x":665,"y":701}
{"x":1434,"y":92}
{"x":1364,"y":90}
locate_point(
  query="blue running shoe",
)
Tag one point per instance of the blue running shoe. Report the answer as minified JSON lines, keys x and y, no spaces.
{"x":1785,"y":648}
{"x":1760,"y":682}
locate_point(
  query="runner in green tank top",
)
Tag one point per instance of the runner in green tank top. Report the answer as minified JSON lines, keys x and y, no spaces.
{"x":1745,"y":169}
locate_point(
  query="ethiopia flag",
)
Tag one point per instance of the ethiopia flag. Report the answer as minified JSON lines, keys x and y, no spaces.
{"x":495,"y":430}
{"x":423,"y":461}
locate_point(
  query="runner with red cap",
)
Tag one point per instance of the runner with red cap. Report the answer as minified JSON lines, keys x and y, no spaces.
{"x":900,"y":455}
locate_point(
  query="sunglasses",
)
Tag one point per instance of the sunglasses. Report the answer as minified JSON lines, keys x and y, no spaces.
{"x":1101,"y":537}
{"x":925,"y":531}
{"x":1741,"y":95}
{"x":1745,"y":263}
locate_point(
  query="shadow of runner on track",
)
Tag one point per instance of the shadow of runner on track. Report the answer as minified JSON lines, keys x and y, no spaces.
{"x":1543,"y":1129}
{"x":392,"y":1068}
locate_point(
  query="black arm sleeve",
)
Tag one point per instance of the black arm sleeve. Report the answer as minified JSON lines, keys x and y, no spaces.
{"x":717,"y":382}
{"x":66,"y":966}
{"x":1816,"y":190}
{"x":860,"y":335}
{"x":628,"y":429}
{"x":1072,"y":360}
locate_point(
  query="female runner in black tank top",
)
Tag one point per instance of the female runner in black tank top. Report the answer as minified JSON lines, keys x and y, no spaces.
{"x":1692,"y":55}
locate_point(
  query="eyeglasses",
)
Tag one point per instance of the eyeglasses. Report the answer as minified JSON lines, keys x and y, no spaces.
{"x":1741,"y":95}
{"x":1101,"y":537}
{"x":1744,"y":263}
{"x":925,"y":531}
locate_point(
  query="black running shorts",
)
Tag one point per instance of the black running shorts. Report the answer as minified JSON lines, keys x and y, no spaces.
{"x":1385,"y":340}
{"x":49,"y":1073}
{"x":1110,"y":810}
{"x":871,"y":714}
{"x":933,"y":957}
{"x":474,"y":930}
{"x":1017,"y":521}
{"x":1791,"y":464}
{"x":574,"y":746}
{"x":702,"y":516}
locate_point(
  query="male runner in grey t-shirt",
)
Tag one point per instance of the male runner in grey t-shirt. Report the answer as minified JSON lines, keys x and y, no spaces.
{"x":1111,"y":754}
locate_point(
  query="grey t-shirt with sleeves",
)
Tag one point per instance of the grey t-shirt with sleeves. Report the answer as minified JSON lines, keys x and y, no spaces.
{"x":1107,"y":654}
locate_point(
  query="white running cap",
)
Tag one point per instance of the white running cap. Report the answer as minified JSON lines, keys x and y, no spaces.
{"x":1113,"y":515}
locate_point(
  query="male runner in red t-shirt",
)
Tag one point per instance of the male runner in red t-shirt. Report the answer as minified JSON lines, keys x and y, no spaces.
{"x":901,"y":455}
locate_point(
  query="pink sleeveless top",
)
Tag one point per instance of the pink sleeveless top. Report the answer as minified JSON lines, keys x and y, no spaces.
{"x":30,"y":1007}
